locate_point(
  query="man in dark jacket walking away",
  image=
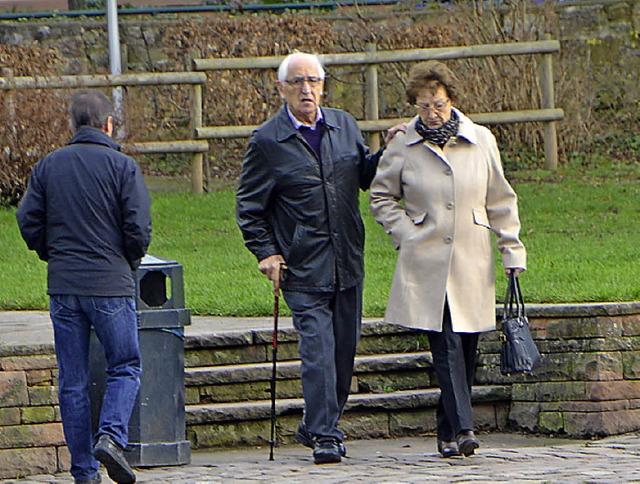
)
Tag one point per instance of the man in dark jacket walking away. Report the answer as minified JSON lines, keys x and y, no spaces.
{"x":86,"y":213}
{"x":297,"y":204}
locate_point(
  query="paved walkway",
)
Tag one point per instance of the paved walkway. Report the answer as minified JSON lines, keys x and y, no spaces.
{"x":501,"y":458}
{"x":19,"y":328}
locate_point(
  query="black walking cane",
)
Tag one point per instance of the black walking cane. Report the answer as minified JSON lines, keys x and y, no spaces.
{"x":274,"y":354}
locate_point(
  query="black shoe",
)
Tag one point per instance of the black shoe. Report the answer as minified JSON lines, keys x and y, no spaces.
{"x":112,"y":457}
{"x":326,"y":450}
{"x":467,"y":443}
{"x":303,"y":436}
{"x":96,"y":479}
{"x":448,"y":448}
{"x":306,"y":439}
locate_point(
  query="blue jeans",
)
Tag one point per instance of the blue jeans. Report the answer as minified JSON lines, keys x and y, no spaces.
{"x":115,"y":323}
{"x":329,"y":325}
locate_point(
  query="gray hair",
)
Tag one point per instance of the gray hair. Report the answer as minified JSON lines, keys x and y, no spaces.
{"x":283,"y":69}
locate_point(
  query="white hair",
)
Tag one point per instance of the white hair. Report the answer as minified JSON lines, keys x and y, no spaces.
{"x":283,"y":69}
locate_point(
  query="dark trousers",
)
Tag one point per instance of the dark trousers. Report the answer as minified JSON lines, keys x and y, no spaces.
{"x":329,"y":326}
{"x":454,"y":359}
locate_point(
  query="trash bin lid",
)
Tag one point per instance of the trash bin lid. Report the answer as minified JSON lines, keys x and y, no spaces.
{"x":152,"y":260}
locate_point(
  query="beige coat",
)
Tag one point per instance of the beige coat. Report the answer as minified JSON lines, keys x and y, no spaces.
{"x":440,"y":207}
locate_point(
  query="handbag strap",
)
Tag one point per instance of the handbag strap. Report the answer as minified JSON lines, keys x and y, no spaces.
{"x":520,"y":298}
{"x":513,"y":300}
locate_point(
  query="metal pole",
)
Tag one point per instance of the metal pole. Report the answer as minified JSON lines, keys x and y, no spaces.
{"x":115,"y":62}
{"x":372,"y":107}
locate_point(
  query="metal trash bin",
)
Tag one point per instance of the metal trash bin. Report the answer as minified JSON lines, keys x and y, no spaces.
{"x":157,"y":435}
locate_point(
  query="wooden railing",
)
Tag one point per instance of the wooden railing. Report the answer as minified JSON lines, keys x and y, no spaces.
{"x":547,"y":114}
{"x":196,"y":80}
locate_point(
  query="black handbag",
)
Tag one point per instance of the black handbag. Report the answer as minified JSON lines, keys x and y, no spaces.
{"x":519,"y":353}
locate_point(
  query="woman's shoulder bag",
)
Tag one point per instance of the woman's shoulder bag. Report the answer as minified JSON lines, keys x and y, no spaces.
{"x":519,"y":353}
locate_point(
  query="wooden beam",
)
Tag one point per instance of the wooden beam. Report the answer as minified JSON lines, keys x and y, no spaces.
{"x":107,"y":80}
{"x":178,"y":146}
{"x":506,"y":117}
{"x":382,"y":56}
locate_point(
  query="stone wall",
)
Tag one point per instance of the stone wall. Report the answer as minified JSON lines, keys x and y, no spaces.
{"x":588,"y":385}
{"x":597,"y":28}
{"x":31,"y":436}
{"x":84,"y":44}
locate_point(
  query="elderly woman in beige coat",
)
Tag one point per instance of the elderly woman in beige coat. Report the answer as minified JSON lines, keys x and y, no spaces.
{"x":440,"y":192}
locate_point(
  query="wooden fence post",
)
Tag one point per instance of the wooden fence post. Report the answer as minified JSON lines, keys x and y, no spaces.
{"x":7,"y":73}
{"x":195,"y":122}
{"x":548,"y":102}
{"x":371,"y":106}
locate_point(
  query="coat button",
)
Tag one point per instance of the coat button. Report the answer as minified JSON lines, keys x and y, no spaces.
{"x":450,"y":206}
{"x":448,"y":239}
{"x":448,"y":172}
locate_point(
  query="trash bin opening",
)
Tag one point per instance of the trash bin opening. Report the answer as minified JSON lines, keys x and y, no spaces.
{"x":154,"y":291}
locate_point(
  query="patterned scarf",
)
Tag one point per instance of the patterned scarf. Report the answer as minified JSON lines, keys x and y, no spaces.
{"x":439,"y":136}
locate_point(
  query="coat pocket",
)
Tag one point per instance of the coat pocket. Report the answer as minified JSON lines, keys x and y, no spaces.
{"x":294,"y":252}
{"x":480,"y":217}
{"x":419,"y":218}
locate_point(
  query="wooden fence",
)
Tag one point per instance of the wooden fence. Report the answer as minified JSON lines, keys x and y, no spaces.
{"x":196,"y":80}
{"x":548,"y":113}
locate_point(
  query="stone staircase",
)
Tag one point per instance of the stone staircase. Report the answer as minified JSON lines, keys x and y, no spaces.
{"x":394,"y":393}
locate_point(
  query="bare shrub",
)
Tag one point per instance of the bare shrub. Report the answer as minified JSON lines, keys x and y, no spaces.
{"x":34,"y":121}
{"x":249,"y":97}
{"x":599,"y":94}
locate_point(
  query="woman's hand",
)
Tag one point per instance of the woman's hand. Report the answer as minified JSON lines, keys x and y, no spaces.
{"x":515,"y":270}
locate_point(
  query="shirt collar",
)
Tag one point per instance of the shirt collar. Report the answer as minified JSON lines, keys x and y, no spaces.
{"x":297,"y":124}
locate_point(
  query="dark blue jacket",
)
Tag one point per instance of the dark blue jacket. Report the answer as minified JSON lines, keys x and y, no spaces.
{"x":306,"y":210}
{"x":87,"y":213}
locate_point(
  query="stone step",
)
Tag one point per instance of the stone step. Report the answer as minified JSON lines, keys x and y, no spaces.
{"x":217,"y":375}
{"x":393,"y":391}
{"x":255,"y":345}
{"x":373,"y":374}
{"x":405,"y":412}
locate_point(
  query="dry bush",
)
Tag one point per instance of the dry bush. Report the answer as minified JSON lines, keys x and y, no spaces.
{"x":491,"y":84}
{"x":250,"y":96}
{"x":34,"y":121}
{"x":598,"y":91}
{"x":600,"y":101}
{"x":504,"y":83}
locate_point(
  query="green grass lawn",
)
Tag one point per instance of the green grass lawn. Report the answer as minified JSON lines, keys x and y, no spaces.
{"x":581,"y":234}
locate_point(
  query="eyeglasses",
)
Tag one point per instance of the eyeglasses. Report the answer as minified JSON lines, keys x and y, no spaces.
{"x":313,"y":81}
{"x":437,"y":106}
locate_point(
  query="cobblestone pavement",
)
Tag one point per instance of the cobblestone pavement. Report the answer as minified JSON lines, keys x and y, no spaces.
{"x":501,"y":458}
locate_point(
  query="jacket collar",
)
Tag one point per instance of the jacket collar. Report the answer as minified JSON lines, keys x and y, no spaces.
{"x":466,"y":130}
{"x":86,"y":134}
{"x":285,"y":128}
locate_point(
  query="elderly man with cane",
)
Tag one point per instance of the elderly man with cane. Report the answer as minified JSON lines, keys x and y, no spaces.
{"x":297,"y":203}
